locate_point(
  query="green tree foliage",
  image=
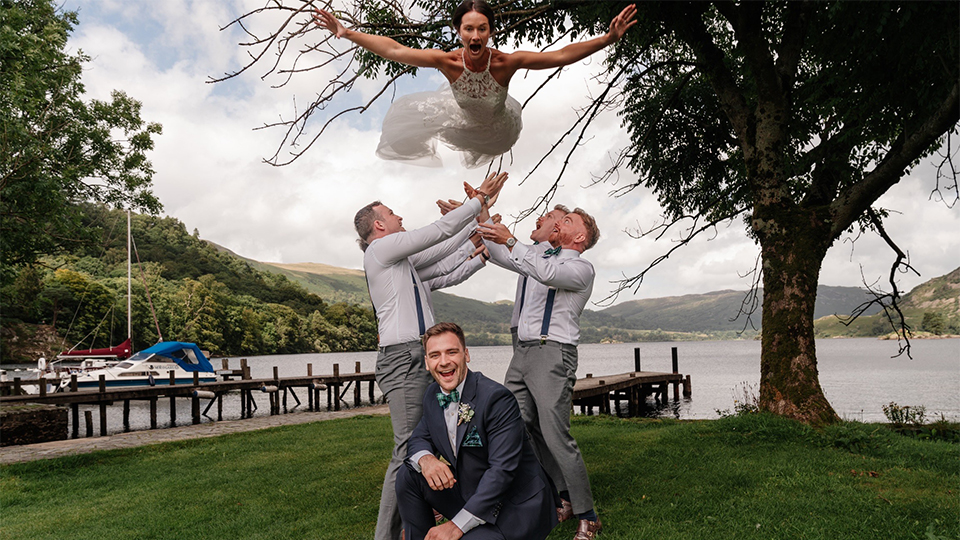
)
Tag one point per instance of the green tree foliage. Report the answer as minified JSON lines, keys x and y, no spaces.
{"x":56,"y":149}
{"x":792,"y":116}
{"x":934,"y":322}
{"x":198,"y":293}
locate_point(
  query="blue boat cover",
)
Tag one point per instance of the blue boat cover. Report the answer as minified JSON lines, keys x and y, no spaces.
{"x":186,"y":355}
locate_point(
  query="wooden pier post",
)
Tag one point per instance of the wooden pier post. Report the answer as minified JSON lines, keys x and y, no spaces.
{"x":153,"y":413}
{"x":244,"y":369}
{"x":88,"y":420}
{"x":75,"y":408}
{"x":676,"y":369}
{"x":636,"y":359}
{"x":173,"y":400}
{"x":275,"y":396}
{"x":103,"y":407}
{"x":243,"y":405}
{"x":126,"y":416}
{"x":336,"y":387}
{"x":195,"y":400}
{"x":634,"y":408}
{"x":687,"y":387}
{"x":356,"y":388}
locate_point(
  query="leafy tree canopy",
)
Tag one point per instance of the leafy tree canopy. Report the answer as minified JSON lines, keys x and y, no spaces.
{"x":56,"y":149}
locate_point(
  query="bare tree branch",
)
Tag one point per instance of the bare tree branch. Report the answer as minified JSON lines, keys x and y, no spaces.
{"x":752,"y":299}
{"x":687,"y":236}
{"x":950,"y":176}
{"x":889,"y":302}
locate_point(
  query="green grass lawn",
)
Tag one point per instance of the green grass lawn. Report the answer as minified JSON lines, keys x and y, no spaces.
{"x":753,"y":476}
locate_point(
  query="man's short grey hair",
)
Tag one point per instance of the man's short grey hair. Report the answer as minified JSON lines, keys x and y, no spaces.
{"x":363,"y":223}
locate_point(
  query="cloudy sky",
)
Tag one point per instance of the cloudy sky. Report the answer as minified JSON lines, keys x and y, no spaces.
{"x":210,"y":174}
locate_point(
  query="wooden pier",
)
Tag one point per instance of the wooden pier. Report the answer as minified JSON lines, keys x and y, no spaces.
{"x":592,"y":391}
{"x":335,"y":386}
{"x":632,"y":387}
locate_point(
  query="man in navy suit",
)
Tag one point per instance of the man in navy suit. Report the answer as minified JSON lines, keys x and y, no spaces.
{"x":469,"y":457}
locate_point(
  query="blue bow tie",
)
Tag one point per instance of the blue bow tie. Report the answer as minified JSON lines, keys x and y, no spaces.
{"x":551,"y":252}
{"x":445,"y":399}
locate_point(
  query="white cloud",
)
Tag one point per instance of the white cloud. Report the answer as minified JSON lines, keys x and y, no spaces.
{"x":210,"y":175}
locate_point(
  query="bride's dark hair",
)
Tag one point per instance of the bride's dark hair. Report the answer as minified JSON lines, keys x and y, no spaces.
{"x":480,"y":6}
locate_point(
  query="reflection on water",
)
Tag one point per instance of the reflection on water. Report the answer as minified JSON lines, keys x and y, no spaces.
{"x":858,"y":377}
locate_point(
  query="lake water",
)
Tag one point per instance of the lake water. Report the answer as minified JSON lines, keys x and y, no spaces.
{"x":858,"y":376}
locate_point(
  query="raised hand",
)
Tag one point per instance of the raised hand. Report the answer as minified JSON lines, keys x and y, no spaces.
{"x":448,"y":205}
{"x":482,"y":251}
{"x":497,"y":232}
{"x":492,"y":185}
{"x":325,"y":19}
{"x":622,"y":22}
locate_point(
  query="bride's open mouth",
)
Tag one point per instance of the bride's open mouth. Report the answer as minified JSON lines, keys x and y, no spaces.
{"x":475,"y":48}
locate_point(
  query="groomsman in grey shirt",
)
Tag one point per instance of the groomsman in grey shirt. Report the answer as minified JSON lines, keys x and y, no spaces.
{"x":541,"y":241}
{"x":544,"y":365}
{"x":392,"y":260}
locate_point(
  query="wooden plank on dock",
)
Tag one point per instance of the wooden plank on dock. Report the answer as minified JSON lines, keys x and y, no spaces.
{"x":596,"y":386}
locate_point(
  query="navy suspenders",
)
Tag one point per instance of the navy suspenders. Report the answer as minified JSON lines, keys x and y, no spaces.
{"x":547,"y":312}
{"x":416,"y":294}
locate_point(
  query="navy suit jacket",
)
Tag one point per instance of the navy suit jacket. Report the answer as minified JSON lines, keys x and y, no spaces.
{"x":497,"y":472}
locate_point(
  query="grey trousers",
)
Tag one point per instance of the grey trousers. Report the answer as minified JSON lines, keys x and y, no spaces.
{"x":542,"y":378}
{"x":403,"y":378}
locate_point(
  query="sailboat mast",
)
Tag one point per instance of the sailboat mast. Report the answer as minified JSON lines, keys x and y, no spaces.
{"x":129,"y":325}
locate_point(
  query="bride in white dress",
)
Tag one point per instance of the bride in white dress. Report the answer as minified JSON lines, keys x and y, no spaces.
{"x":473,"y":114}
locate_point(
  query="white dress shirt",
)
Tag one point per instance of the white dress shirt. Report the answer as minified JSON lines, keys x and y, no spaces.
{"x":390,"y":264}
{"x":571,"y":275}
{"x":501,"y":257}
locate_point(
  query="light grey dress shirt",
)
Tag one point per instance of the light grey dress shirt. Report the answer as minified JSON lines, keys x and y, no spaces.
{"x":567,"y":272}
{"x":390,"y":264}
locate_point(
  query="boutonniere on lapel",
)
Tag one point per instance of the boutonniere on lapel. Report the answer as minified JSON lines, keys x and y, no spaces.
{"x":464,"y":413}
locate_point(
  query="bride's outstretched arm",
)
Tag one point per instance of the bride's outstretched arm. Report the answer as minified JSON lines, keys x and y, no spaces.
{"x":577,"y":51}
{"x":381,"y":45}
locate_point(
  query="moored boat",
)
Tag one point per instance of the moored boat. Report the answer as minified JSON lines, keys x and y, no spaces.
{"x":150,"y":367}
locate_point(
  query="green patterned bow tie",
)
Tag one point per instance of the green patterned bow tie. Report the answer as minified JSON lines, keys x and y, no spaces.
{"x":445,"y":399}
{"x":552,"y":251}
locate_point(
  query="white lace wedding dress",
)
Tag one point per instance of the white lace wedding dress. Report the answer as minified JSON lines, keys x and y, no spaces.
{"x":474,"y":115}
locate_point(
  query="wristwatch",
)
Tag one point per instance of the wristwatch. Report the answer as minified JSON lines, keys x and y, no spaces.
{"x":512,"y":241}
{"x":486,"y":198}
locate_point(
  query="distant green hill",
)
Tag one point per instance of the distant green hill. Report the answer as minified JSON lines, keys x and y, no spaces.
{"x":331,"y":283}
{"x":721,"y":311}
{"x":696,"y":316}
{"x":931,"y":307}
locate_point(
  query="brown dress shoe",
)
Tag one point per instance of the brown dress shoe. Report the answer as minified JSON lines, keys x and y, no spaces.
{"x":588,"y":530}
{"x":564,"y":511}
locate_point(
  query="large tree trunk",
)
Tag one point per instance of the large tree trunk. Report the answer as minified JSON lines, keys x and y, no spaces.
{"x":789,"y":381}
